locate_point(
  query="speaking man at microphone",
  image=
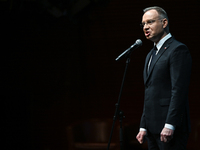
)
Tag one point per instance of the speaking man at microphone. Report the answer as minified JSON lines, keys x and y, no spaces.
{"x":165,"y":121}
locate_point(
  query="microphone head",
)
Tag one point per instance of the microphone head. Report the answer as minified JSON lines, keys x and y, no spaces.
{"x":138,"y":42}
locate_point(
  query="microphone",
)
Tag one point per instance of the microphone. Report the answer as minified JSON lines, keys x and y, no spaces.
{"x":126,"y":53}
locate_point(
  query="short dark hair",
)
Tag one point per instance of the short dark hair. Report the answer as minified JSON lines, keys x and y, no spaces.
{"x":160,"y":11}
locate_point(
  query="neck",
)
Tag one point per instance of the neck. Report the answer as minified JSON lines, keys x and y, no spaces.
{"x":160,"y":37}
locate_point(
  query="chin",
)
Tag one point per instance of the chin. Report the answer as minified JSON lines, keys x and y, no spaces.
{"x":148,"y":38}
{"x":151,"y":39}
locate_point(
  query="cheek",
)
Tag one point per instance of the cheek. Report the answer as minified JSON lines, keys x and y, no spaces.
{"x":156,"y":30}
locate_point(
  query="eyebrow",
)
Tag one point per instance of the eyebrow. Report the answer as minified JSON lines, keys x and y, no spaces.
{"x":148,"y":20}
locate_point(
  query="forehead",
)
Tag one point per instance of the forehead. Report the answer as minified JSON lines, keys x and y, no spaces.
{"x":151,"y":14}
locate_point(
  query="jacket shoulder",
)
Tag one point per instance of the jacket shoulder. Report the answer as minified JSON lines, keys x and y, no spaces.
{"x":175,"y":43}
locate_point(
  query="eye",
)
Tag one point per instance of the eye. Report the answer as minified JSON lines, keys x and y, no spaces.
{"x":150,"y":22}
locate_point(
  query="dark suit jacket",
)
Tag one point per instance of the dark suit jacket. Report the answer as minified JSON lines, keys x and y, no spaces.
{"x":166,"y":88}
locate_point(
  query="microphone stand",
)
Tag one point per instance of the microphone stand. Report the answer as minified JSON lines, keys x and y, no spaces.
{"x":118,"y":112}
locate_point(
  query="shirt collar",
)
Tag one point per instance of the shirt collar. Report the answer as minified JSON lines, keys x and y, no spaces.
{"x":162,"y":41}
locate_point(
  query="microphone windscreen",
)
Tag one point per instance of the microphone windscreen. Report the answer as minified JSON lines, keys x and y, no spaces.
{"x":138,"y":42}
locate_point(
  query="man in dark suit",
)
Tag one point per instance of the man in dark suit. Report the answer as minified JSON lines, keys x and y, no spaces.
{"x":165,"y":120}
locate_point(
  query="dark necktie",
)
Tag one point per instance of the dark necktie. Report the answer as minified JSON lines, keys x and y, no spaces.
{"x":153,"y":53}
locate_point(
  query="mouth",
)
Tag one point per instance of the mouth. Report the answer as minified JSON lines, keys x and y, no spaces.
{"x":147,"y":33}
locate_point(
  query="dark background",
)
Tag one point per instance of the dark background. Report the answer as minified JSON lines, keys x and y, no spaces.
{"x":58,"y":64}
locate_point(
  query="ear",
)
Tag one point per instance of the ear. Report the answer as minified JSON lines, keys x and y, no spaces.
{"x":165,"y":23}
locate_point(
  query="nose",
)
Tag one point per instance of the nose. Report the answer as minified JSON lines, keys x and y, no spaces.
{"x":146,"y":26}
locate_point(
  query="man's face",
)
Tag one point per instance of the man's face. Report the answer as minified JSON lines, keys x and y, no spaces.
{"x":153,"y":26}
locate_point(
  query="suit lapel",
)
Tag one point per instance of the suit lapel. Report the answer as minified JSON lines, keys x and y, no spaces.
{"x":165,"y":46}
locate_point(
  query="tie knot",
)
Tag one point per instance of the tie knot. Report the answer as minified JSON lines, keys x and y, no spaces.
{"x":155,"y":48}
{"x":154,"y":51}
